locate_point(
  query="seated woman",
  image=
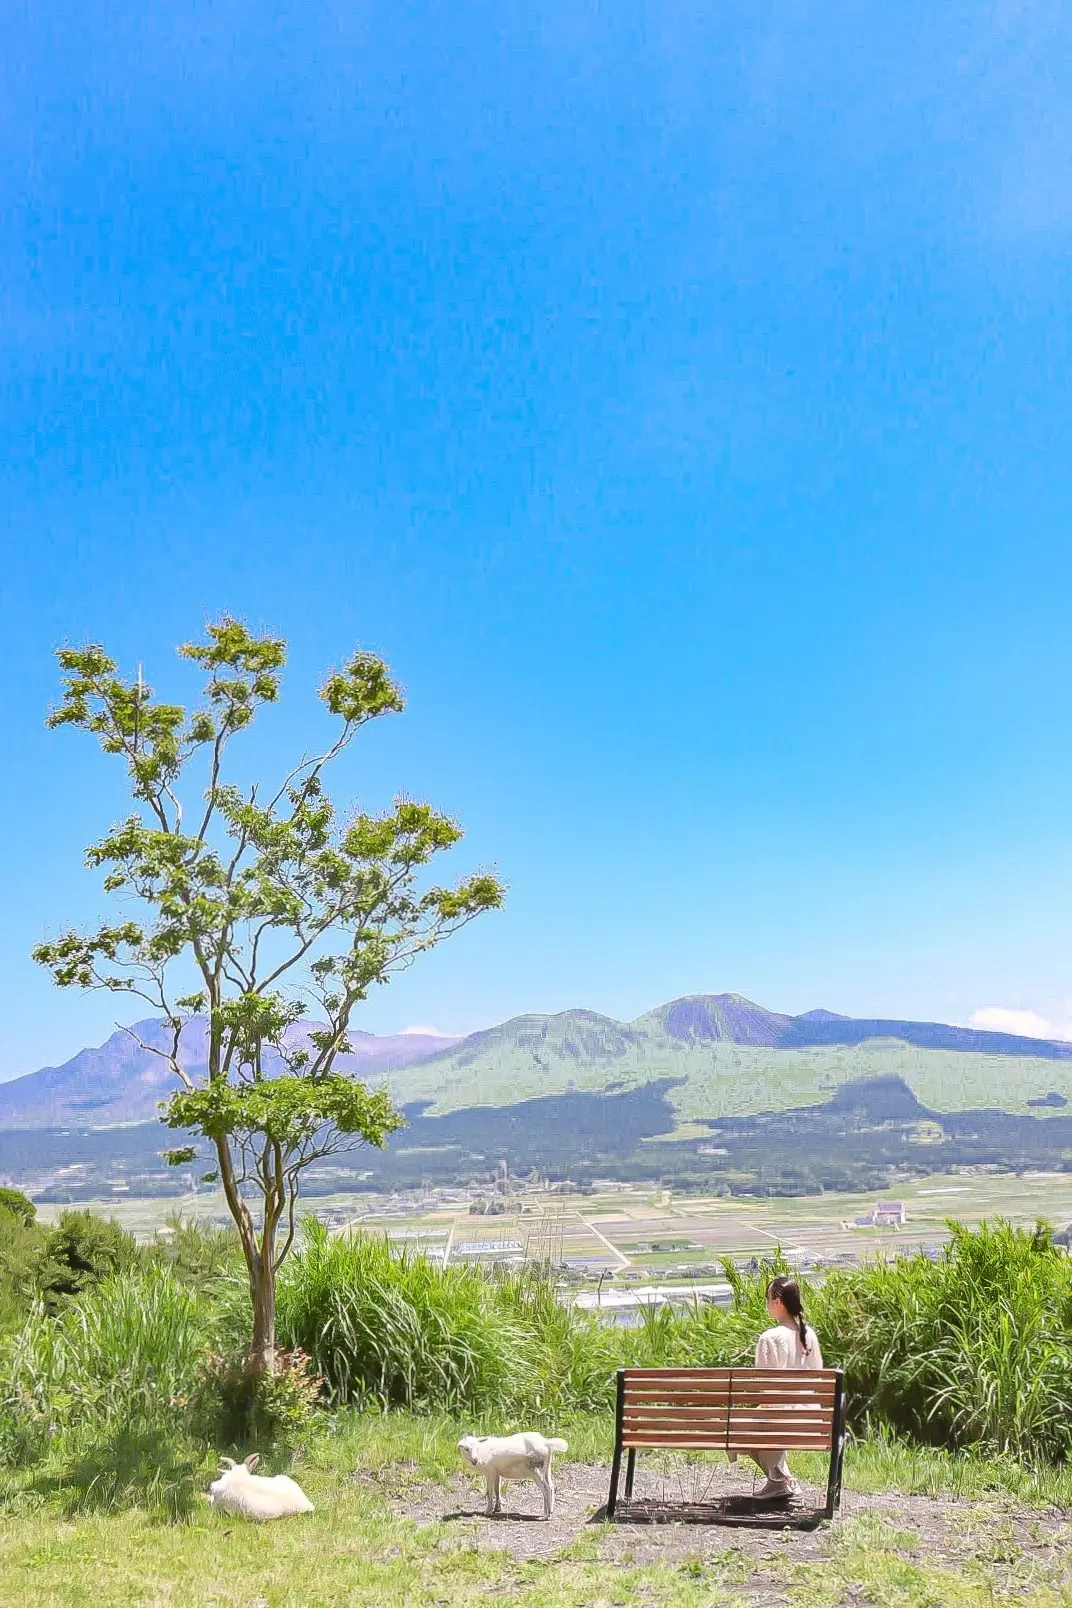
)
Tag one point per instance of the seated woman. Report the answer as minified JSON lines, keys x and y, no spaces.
{"x":791,"y":1343}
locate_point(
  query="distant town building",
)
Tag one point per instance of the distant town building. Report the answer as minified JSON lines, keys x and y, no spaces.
{"x":489,"y":1248}
{"x":884,"y":1214}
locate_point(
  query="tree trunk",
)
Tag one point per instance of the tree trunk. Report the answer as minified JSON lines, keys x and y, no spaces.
{"x":262,"y":1346}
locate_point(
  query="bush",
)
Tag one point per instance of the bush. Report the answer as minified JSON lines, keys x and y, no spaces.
{"x":572,"y":1356}
{"x":115,"y":1362}
{"x":399,"y":1331}
{"x":234,"y":1407}
{"x":200,"y":1256}
{"x":19,"y":1205}
{"x":79,"y":1252}
{"x":21,"y":1246}
{"x":974,"y":1350}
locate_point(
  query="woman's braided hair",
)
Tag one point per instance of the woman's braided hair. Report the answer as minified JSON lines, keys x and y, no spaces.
{"x":787,"y":1291}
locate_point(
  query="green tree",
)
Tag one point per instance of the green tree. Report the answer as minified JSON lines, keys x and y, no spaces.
{"x":270,"y":905}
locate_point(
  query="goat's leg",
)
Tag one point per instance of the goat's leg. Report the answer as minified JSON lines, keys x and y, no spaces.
{"x":548,"y":1492}
{"x":541,"y":1476}
{"x":493,"y":1493}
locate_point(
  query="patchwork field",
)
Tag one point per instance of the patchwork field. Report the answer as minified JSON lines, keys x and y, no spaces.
{"x":641,"y":1234}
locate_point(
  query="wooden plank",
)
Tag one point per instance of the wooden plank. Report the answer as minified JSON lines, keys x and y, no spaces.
{"x":780,"y":1409}
{"x":740,"y":1390}
{"x":788,"y":1422}
{"x":732,"y":1443}
{"x":714,"y":1443}
{"x":718,"y":1375}
{"x":785,"y":1377}
{"x":720,"y":1398}
{"x":765,"y":1432}
{"x":670,"y":1437}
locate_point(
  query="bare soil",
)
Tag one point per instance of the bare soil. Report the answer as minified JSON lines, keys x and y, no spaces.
{"x":941,"y":1531}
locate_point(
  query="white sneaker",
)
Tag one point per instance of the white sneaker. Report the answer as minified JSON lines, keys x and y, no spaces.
{"x":776,"y":1487}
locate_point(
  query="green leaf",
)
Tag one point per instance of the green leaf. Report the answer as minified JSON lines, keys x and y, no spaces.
{"x":179,"y":1157}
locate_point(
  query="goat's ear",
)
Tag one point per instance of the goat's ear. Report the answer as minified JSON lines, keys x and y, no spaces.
{"x":227,"y":1462}
{"x":252,"y":1460}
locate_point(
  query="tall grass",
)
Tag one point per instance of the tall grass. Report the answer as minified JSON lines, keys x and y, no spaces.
{"x":118,"y":1357}
{"x":399,"y":1331}
{"x":973,"y":1351}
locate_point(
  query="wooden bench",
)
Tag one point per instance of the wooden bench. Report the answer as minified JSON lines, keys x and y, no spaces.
{"x":731,"y":1410}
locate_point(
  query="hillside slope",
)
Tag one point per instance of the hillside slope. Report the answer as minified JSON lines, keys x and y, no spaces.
{"x":729,"y":1056}
{"x":719,"y":1053}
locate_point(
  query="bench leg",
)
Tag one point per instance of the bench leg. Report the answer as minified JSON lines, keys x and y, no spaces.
{"x":616,"y":1465}
{"x":615,"y":1472}
{"x":837,"y":1457}
{"x":630,"y":1470}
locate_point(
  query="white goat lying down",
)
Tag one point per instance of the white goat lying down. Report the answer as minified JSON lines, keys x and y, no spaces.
{"x":256,"y":1496}
{"x":513,"y":1457}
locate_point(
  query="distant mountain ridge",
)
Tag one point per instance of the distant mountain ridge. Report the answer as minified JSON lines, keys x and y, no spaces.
{"x":728,"y":1016}
{"x":726,"y":1052}
{"x":119,"y":1081}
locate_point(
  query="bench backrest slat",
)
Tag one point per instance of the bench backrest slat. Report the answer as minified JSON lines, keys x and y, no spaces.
{"x":737,"y":1409}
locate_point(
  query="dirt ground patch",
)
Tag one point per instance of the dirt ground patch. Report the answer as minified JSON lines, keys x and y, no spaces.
{"x":1006,"y":1542}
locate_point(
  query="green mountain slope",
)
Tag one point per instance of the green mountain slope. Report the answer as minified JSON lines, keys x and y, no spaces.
{"x":722,"y":1050}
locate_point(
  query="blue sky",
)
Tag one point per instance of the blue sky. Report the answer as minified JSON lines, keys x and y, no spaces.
{"x":678,"y":397}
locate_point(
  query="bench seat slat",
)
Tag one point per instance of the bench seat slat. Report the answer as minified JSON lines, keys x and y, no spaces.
{"x":804,"y":1380}
{"x":793,"y":1412}
{"x":733,"y":1441}
{"x":739,"y":1390}
{"x":793,"y":1408}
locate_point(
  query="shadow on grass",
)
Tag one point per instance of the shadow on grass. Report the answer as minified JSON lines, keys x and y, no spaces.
{"x":128,"y":1468}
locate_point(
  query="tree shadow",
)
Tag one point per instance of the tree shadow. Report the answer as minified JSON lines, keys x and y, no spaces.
{"x":130,"y":1467}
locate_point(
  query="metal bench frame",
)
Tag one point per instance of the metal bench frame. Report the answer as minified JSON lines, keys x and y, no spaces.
{"x":804,"y":1410}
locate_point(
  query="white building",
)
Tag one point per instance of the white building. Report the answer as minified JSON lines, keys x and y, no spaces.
{"x":884,"y":1214}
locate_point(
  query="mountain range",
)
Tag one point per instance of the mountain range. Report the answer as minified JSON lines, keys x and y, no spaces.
{"x":125,"y":1078}
{"x":719,"y":1055}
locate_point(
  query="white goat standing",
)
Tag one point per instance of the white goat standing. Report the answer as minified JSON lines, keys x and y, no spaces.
{"x":513,"y":1457}
{"x":256,"y":1496}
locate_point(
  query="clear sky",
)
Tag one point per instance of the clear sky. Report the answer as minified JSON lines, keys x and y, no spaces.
{"x":676,"y":395}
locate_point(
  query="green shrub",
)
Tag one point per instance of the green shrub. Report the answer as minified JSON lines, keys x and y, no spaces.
{"x":21,"y":1246}
{"x":200,"y":1255}
{"x":572,"y":1356}
{"x":399,"y":1331}
{"x":230,"y":1406}
{"x":974,"y":1350}
{"x":80,"y":1251}
{"x":19,"y":1205}
{"x":115,"y":1361}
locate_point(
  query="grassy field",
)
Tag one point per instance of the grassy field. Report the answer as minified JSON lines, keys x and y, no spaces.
{"x":111,"y":1418}
{"x":395,"y":1523}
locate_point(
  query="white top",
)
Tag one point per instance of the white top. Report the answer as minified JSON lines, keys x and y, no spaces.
{"x":780,"y":1347}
